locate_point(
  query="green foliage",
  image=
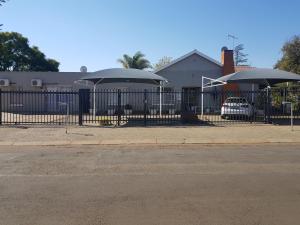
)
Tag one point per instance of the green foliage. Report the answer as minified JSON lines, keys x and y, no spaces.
{"x":290,"y":60}
{"x":240,"y":58}
{"x":287,"y":94}
{"x":162,"y":62}
{"x":138,"y":61}
{"x":2,"y":1}
{"x":17,"y":55}
{"x":277,"y":99}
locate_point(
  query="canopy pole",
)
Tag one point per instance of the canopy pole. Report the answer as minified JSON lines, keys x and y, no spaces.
{"x":94,"y":98}
{"x":208,"y":85}
{"x":94,"y":102}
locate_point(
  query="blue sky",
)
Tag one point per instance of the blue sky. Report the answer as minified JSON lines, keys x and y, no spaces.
{"x":97,"y":32}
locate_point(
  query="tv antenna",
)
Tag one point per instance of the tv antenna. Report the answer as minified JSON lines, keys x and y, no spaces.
{"x":234,"y":38}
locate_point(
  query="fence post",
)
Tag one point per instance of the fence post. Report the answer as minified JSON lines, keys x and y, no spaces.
{"x":182,"y":107}
{"x":119,"y":107}
{"x":80,"y":104}
{"x":0,"y":107}
{"x":145,"y":107}
{"x":268,"y":108}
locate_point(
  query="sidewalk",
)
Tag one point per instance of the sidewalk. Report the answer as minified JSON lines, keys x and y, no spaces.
{"x":152,"y":135}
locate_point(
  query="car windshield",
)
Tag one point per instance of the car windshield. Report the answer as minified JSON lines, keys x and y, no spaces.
{"x":236,"y":100}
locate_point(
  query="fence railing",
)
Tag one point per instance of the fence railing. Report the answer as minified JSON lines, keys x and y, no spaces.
{"x":146,"y":107}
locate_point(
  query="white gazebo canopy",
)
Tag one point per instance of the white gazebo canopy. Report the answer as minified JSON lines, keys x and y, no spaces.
{"x":120,"y":75}
{"x":266,"y":77}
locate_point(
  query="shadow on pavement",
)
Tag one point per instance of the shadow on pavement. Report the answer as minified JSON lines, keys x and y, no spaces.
{"x":285,"y":122}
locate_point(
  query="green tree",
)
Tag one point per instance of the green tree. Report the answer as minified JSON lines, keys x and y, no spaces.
{"x":17,"y":55}
{"x":290,"y":60}
{"x":162,"y":62}
{"x":138,"y":61}
{"x":240,"y":58}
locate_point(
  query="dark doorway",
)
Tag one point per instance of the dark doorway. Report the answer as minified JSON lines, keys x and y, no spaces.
{"x":86,"y":100}
{"x":191,"y":98}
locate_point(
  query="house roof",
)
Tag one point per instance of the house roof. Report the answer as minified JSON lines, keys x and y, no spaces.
{"x":188,"y":55}
{"x":244,"y":68}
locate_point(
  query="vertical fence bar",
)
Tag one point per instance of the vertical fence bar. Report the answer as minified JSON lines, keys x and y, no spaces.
{"x":0,"y":107}
{"x":268,"y":109}
{"x":145,"y":107}
{"x":119,"y":107}
{"x":182,"y":106}
{"x":292,"y":116}
{"x":80,"y":105}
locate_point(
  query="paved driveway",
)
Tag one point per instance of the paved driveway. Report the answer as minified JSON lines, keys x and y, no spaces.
{"x":191,"y":184}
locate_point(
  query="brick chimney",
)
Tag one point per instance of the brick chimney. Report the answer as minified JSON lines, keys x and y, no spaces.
{"x":228,"y":68}
{"x":227,"y":61}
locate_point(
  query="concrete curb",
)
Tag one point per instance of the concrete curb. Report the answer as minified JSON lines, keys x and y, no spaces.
{"x":154,"y":141}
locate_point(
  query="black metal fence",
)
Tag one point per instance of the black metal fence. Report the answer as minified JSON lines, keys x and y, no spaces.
{"x":36,"y":107}
{"x":147,"y":107}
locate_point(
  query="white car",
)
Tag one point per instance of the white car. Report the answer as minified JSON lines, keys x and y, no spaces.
{"x":237,"y":107}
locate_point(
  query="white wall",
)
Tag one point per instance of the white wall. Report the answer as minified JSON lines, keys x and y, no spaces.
{"x":22,"y":80}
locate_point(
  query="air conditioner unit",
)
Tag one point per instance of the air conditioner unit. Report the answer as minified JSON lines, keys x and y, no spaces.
{"x":36,"y":83}
{"x":4,"y":82}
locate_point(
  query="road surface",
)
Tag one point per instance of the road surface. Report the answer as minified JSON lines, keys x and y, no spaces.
{"x":147,"y":185}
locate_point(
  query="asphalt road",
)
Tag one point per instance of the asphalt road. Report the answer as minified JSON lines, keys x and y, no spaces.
{"x":177,"y":185}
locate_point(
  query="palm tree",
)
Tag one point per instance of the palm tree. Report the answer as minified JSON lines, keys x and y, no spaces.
{"x":138,"y":61}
